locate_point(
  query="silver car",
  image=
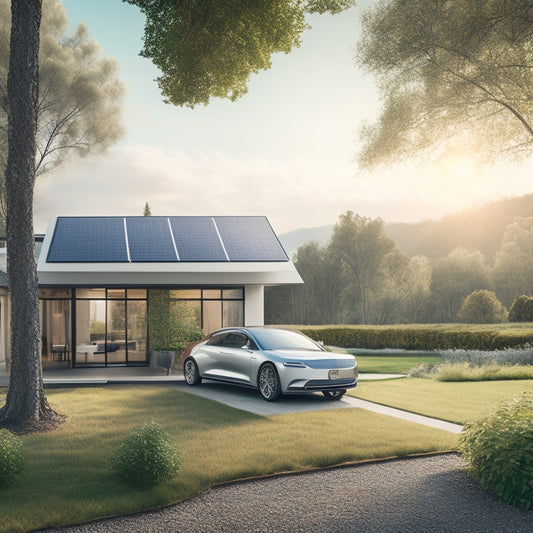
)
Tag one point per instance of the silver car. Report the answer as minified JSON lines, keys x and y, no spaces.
{"x":275,"y":361}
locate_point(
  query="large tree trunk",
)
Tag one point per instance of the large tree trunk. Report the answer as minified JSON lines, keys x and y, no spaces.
{"x":26,"y":406}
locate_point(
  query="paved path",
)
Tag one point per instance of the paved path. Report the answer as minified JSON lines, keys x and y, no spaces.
{"x":429,"y":494}
{"x":249,"y":400}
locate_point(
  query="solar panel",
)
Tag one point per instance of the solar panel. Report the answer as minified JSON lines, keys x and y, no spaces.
{"x":150,"y":240}
{"x":197,"y":239}
{"x":88,"y":240}
{"x":249,"y":239}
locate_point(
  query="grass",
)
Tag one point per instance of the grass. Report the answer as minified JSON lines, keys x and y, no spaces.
{"x":458,"y":402}
{"x":68,"y":479}
{"x":392,"y":364}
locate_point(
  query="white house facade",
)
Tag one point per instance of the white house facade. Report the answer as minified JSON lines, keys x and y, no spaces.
{"x":101,"y":279}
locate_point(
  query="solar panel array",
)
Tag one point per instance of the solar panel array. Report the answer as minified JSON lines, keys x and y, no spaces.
{"x":164,"y":239}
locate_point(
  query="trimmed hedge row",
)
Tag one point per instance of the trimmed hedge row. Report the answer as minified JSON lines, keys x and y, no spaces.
{"x":439,"y":337}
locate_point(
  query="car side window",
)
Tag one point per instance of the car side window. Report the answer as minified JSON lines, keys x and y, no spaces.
{"x":217,"y":340}
{"x":239,"y":340}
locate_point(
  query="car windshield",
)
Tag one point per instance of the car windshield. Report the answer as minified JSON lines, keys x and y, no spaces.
{"x":276,"y":339}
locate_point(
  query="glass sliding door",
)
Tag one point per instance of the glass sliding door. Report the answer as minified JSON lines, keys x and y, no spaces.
{"x":55,"y":321}
{"x":90,"y":332}
{"x":111,"y":327}
{"x":136,"y":331}
{"x":116,"y":342}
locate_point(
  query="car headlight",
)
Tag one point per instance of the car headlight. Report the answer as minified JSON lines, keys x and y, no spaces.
{"x":294,"y":364}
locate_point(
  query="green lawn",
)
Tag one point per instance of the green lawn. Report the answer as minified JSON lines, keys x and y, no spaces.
{"x":456,"y":401}
{"x":392,"y":364}
{"x":68,"y":479}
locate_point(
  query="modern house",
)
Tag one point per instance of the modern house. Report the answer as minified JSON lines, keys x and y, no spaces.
{"x":101,"y":280}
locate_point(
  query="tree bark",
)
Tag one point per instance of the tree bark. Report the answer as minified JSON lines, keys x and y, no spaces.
{"x":26,"y":407}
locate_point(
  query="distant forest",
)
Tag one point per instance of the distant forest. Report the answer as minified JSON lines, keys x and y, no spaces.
{"x":371,"y":272}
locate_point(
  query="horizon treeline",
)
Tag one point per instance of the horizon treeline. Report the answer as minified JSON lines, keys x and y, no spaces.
{"x":362,"y":277}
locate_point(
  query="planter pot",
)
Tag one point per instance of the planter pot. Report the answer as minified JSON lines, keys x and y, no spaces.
{"x":162,"y":360}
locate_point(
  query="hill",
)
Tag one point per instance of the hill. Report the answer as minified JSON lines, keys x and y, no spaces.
{"x":478,"y":228}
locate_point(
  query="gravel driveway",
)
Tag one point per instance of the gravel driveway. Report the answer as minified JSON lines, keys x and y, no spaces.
{"x":425,"y":494}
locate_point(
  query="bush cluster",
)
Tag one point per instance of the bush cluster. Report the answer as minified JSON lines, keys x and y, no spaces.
{"x":146,"y":457}
{"x":499,"y":449}
{"x":521,"y":309}
{"x":13,"y":457}
{"x":418,"y":338}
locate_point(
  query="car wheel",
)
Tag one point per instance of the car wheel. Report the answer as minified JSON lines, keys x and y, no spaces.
{"x":334,"y":394}
{"x":269,"y":385}
{"x":190,"y":372}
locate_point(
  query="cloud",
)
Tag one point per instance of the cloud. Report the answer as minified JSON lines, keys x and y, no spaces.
{"x":292,"y":193}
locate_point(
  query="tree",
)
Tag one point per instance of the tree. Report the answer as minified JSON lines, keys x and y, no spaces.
{"x":361,"y":246}
{"x":26,"y":404}
{"x":451,"y":74}
{"x":482,"y":307}
{"x":522,"y":309}
{"x":513,"y":266}
{"x":79,"y":93}
{"x":147,"y":211}
{"x":453,"y":278}
{"x":210,"y":48}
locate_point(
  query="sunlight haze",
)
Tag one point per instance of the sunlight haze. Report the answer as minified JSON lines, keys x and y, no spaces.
{"x":285,"y":150}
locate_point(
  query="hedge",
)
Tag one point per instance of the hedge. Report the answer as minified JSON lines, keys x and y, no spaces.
{"x":422,"y":337}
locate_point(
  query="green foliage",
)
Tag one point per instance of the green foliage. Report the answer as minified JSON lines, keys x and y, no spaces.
{"x":13,"y":457}
{"x":79,"y":104}
{"x":454,"y":372}
{"x":522,"y":309}
{"x":482,"y":307}
{"x":499,"y":449}
{"x":453,"y":278}
{"x":422,"y":337}
{"x":454,"y":78}
{"x":146,"y":457}
{"x":209,"y":49}
{"x":172,"y":325}
{"x":513,"y":265}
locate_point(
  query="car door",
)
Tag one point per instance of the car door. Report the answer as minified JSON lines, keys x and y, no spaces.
{"x":237,"y":352}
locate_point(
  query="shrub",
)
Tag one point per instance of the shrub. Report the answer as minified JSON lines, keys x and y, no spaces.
{"x":482,"y":307}
{"x":146,"y":457}
{"x":516,"y":313}
{"x":13,"y":457}
{"x":499,"y":449}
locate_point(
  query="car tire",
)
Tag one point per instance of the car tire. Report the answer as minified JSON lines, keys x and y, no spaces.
{"x":334,"y":394}
{"x":268,"y":382}
{"x":190,"y":372}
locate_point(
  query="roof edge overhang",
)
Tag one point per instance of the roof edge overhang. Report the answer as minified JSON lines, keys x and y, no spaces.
{"x":160,"y":274}
{"x":147,"y":274}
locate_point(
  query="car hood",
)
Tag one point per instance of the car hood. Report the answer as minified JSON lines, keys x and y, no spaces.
{"x":314,"y":359}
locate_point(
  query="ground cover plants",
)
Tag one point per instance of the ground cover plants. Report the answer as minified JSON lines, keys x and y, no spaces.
{"x":476,"y":365}
{"x":499,"y":449}
{"x":13,"y":457}
{"x":68,"y":478}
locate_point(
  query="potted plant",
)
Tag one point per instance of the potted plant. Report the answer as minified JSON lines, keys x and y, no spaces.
{"x":172,"y":327}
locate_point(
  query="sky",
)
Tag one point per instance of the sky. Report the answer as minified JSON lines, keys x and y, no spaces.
{"x":285,"y":150}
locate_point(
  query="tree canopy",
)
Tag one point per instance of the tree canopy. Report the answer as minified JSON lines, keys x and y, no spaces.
{"x":209,"y":48}
{"x":187,"y":40}
{"x":452,"y":75}
{"x":79,"y":92}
